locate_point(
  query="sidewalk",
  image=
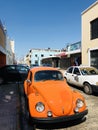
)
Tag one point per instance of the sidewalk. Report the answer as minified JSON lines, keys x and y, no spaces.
{"x":9,"y":107}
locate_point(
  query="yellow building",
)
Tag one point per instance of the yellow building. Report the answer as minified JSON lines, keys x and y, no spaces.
{"x":90,"y":35}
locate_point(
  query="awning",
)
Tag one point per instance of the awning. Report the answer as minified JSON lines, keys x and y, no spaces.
{"x":62,"y":54}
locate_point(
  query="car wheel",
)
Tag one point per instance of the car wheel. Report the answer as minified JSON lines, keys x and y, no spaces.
{"x":28,"y":117}
{"x":87,"y":88}
{"x":1,"y":80}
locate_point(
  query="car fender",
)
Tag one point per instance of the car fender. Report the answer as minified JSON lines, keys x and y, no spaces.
{"x":33,"y":99}
{"x":77,"y":95}
{"x":89,"y":79}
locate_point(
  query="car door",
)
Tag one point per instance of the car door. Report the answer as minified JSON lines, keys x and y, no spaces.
{"x":11,"y":73}
{"x":69,"y":75}
{"x":76,"y":76}
{"x":22,"y":72}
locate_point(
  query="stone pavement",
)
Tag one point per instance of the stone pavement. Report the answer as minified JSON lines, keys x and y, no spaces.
{"x":9,"y":107}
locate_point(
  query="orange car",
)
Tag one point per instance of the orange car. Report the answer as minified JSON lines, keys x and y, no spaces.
{"x":50,"y":99}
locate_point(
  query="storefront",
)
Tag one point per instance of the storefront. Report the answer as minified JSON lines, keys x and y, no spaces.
{"x":53,"y":61}
{"x":94,"y":58}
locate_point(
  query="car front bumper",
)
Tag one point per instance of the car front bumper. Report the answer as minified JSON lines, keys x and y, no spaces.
{"x":50,"y":120}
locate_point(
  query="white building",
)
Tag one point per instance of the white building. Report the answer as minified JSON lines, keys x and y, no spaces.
{"x":9,"y":51}
{"x":35,"y":56}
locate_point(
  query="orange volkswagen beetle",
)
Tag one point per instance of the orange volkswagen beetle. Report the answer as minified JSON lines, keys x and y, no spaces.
{"x":50,"y":99}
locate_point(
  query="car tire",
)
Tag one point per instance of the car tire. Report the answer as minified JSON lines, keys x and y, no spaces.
{"x":28,"y":116}
{"x":87,"y":88}
{"x":1,"y":80}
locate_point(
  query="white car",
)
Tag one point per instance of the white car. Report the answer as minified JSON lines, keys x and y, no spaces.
{"x":83,"y":76}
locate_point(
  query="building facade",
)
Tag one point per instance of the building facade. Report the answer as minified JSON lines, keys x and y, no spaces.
{"x":72,"y":55}
{"x":64,"y":58}
{"x":90,"y":35}
{"x":35,"y":56}
{"x":10,"y":54}
{"x":7,"y":55}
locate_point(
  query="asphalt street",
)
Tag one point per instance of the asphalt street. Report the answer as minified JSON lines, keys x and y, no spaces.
{"x":12,"y":108}
{"x":9,"y":107}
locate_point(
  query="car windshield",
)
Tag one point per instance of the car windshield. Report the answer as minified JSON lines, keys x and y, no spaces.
{"x":48,"y":75}
{"x":89,"y":71}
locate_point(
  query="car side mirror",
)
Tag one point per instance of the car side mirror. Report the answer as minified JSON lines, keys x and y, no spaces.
{"x":28,"y":81}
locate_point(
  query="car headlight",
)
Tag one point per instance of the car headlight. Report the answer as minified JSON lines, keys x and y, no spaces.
{"x":79,"y":104}
{"x":40,"y":107}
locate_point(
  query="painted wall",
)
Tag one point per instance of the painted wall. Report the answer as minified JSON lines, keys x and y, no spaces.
{"x":87,"y":44}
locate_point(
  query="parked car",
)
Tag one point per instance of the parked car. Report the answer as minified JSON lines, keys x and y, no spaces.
{"x":24,"y":65}
{"x":83,"y":76}
{"x":13,"y":73}
{"x":49,"y":99}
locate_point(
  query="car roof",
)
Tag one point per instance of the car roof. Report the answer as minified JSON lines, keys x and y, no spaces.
{"x":12,"y":65}
{"x":82,"y":66}
{"x":7,"y":65}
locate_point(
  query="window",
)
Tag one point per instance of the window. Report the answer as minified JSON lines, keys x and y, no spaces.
{"x":76,"y":71}
{"x":35,"y":55}
{"x":42,"y":55}
{"x":36,"y":62}
{"x":48,"y":75}
{"x":22,"y":69}
{"x":11,"y":69}
{"x":70,"y":70}
{"x":94,"y":29}
{"x":94,"y":58}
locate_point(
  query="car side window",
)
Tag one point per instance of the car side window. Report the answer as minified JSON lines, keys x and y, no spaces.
{"x":22,"y":69}
{"x":76,"y":71}
{"x":84,"y":72}
{"x":70,"y":70}
{"x":11,"y":69}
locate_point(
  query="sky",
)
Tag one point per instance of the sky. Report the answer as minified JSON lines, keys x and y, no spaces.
{"x":42,"y":24}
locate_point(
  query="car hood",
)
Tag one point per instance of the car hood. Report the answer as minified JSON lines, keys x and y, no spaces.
{"x":57,"y":95}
